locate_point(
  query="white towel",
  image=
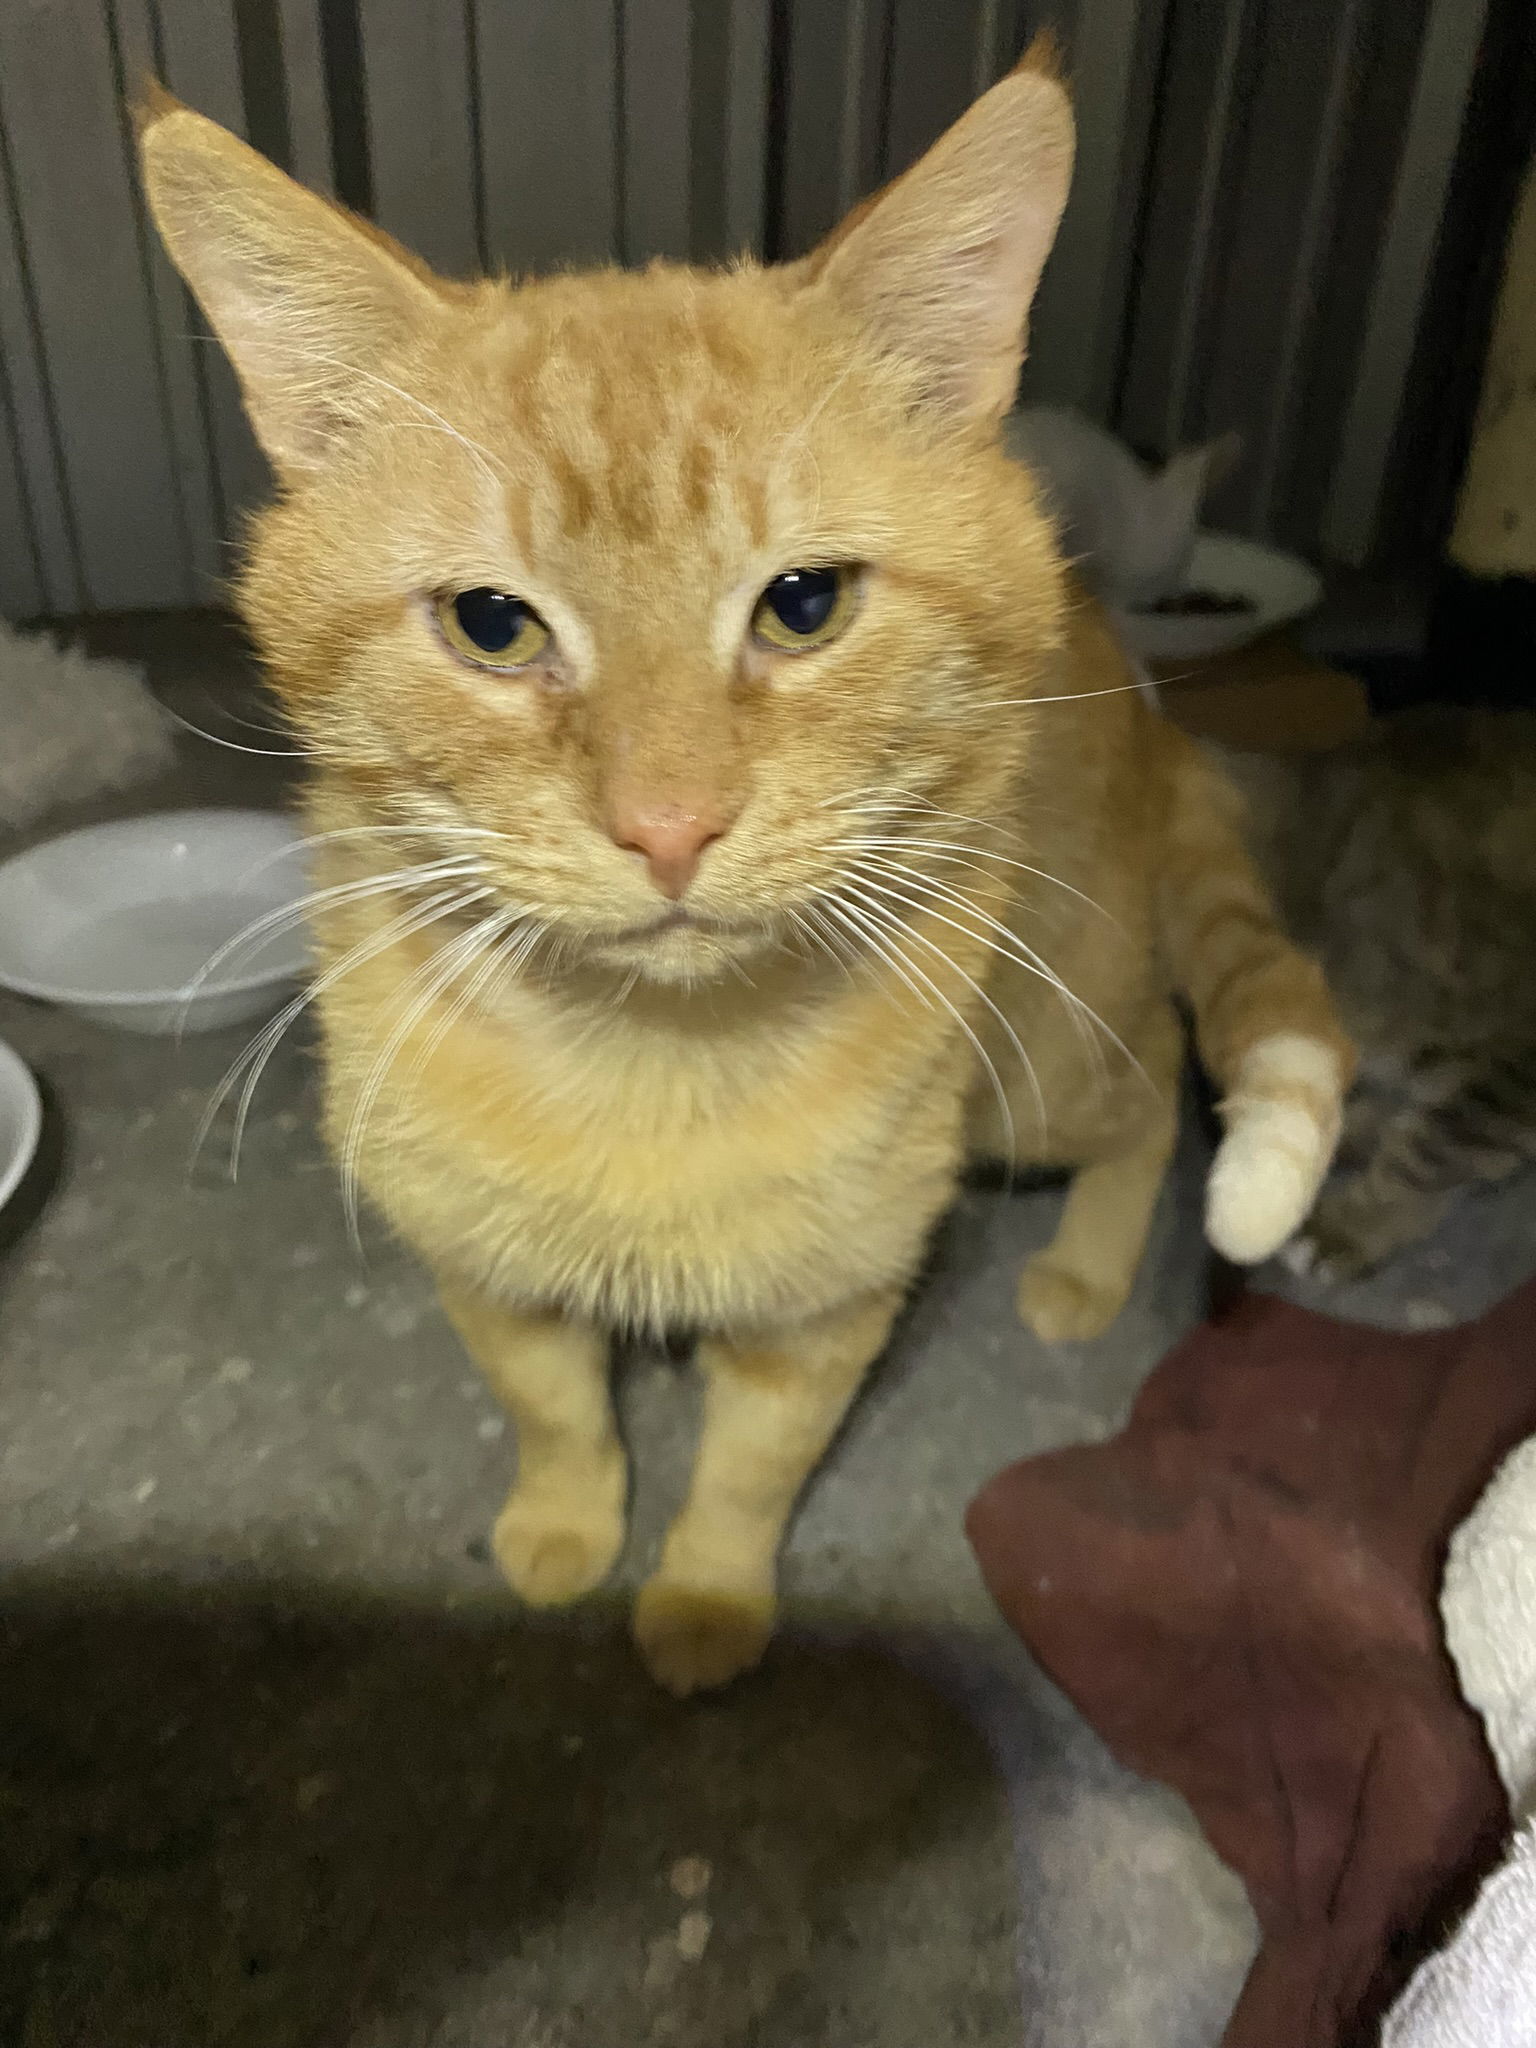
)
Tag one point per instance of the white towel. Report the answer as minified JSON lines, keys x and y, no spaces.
{"x":1480,"y":1991}
{"x":1488,"y":1602}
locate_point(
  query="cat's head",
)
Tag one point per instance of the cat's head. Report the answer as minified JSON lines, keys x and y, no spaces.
{"x":654,"y":590}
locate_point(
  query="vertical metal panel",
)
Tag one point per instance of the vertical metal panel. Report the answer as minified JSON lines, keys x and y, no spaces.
{"x":1448,"y":56}
{"x":1251,"y":229}
{"x":199,"y":60}
{"x":182,"y":373}
{"x":656,"y":69}
{"x":52,"y":547}
{"x":549,"y":124}
{"x":1261,"y":287}
{"x":304,"y":78}
{"x":994,"y":50}
{"x":745,"y":146}
{"x":727,"y":127}
{"x":417,"y":76}
{"x":1270,"y":300}
{"x":834,"y":100}
{"x":1311,"y":203}
{"x":86,"y":264}
{"x":1206,"y":65}
{"x":934,"y":55}
{"x":21,"y":580}
{"x":1076,"y":328}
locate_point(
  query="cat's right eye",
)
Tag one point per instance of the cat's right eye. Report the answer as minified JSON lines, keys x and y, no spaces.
{"x":491,"y":628}
{"x":805,"y":608}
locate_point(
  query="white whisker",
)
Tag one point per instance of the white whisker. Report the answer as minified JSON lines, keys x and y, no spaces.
{"x":383,"y":832}
{"x":274,"y":921}
{"x":950,"y":846}
{"x":883,"y":909}
{"x":878,"y":935}
{"x":1011,"y":947}
{"x":236,"y":746}
{"x":438,"y":971}
{"x":489,"y":466}
{"x":431,"y":913}
{"x":1066,"y":697}
{"x":912,"y":803}
{"x":802,"y":920}
{"x":256,"y":1055}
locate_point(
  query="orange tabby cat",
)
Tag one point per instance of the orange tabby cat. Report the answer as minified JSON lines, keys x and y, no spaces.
{"x":733,"y":816}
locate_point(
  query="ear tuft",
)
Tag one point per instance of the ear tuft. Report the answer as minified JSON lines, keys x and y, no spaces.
{"x":152,"y":104}
{"x":1045,"y":55}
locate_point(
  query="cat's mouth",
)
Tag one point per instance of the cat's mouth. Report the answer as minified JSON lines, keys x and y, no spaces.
{"x":676,"y":918}
{"x":682,"y":943}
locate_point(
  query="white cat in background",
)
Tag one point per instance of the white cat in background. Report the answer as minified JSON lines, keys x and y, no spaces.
{"x":1129,"y":529}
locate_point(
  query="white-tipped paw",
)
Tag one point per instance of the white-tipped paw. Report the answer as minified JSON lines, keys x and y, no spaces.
{"x":1282,"y":1125}
{"x":1265,"y":1179}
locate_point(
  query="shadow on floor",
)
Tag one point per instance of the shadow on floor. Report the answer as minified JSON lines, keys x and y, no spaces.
{"x":237,"y":1814}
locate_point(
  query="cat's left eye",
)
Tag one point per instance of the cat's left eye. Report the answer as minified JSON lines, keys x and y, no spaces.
{"x":805,"y":608}
{"x":491,"y":628}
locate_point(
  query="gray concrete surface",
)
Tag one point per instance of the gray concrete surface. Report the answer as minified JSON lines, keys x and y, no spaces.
{"x":281,"y":1763}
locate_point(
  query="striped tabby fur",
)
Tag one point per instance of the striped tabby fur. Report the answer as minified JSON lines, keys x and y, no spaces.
{"x":1407,"y":864}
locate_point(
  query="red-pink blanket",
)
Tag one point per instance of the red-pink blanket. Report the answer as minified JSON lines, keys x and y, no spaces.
{"x":1240,"y":1592}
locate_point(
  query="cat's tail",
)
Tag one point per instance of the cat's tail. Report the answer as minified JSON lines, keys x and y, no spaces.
{"x":1264,"y":1021}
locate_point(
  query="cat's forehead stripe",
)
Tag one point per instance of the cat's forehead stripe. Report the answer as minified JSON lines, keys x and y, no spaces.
{"x":634,"y":423}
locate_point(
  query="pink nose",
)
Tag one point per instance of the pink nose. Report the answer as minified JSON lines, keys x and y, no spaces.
{"x":672,"y":840}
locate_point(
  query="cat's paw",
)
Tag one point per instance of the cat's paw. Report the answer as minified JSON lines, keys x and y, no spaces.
{"x":694,"y":1638}
{"x":1282,"y":1122}
{"x":1062,"y":1306}
{"x":552,"y":1552}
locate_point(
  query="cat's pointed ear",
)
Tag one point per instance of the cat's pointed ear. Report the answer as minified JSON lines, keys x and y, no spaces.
{"x":307,"y":300}
{"x":942,"y":265}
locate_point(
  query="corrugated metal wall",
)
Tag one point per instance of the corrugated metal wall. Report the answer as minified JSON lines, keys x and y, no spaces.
{"x":481,"y":131}
{"x":1255,"y":212}
{"x":1247,"y":245}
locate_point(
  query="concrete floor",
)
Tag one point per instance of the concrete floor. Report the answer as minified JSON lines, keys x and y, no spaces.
{"x":282,"y":1763}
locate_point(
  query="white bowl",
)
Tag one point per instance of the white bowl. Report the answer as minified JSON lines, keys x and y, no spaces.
{"x":1280,"y":588}
{"x":21,"y":1121}
{"x":121,"y":922}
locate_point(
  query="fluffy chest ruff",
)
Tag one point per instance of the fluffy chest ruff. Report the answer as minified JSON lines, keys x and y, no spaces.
{"x":650,"y":1169}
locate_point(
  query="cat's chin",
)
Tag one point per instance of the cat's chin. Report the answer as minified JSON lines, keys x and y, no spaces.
{"x":678,"y":949}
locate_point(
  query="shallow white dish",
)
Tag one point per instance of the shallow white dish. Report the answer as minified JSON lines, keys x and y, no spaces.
{"x":120,"y":921}
{"x":1280,"y":588}
{"x":21,"y":1121}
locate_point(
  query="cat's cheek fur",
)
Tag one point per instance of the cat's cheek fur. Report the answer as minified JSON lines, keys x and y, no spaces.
{"x":1282,"y":1125}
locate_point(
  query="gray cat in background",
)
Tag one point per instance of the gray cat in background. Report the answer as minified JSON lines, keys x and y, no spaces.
{"x":1407,"y":864}
{"x":1127,"y":529}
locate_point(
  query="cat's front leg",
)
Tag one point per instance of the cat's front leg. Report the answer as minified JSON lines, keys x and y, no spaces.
{"x":771,"y":1407}
{"x":563,"y":1525}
